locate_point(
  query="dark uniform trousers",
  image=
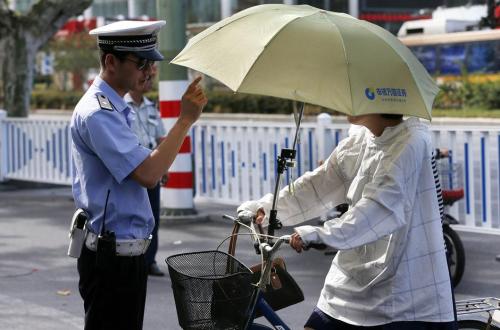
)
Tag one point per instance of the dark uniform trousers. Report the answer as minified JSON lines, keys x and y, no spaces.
{"x":154,"y":200}
{"x":114,"y":297}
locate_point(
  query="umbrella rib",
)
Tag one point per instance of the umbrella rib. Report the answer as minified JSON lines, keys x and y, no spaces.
{"x":271,"y":40}
{"x":218,"y":28}
{"x":422,"y":92}
{"x":231,"y":22}
{"x":381,"y":37}
{"x":413,"y":75}
{"x":348,"y":64}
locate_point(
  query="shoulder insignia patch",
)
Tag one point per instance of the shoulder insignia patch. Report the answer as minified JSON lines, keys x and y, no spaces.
{"x":104,"y":102}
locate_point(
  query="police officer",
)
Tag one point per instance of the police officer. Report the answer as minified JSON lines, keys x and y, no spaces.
{"x":150,"y":130}
{"x":111,"y":172}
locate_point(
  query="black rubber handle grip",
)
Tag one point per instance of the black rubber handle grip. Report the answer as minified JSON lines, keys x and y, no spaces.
{"x":316,"y":246}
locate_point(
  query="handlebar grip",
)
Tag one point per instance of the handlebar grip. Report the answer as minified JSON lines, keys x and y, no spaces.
{"x":246,"y":217}
{"x":316,"y":246}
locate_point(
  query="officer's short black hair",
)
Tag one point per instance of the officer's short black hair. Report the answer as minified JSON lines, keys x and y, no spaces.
{"x":119,"y":55}
{"x":392,"y":116}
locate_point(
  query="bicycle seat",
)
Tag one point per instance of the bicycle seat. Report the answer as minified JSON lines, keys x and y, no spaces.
{"x":452,"y":195}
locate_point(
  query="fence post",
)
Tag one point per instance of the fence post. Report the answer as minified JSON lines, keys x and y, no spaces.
{"x":323,"y":121}
{"x":3,"y":147}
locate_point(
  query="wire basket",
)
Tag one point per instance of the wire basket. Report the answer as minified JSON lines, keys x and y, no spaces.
{"x":212,"y":290}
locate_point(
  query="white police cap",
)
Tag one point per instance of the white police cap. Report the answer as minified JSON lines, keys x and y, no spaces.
{"x":138,"y":37}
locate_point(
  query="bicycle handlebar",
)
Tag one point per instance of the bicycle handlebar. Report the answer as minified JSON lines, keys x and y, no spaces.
{"x":246,"y":219}
{"x":267,"y":249}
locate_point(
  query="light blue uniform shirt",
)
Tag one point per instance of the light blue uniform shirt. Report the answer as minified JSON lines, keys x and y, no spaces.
{"x":105,"y":152}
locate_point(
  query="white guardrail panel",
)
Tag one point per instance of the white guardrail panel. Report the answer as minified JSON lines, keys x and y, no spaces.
{"x":3,"y":144}
{"x":38,"y":150}
{"x":476,"y":156}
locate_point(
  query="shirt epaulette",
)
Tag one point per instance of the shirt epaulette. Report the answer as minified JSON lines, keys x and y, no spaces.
{"x":104,"y":102}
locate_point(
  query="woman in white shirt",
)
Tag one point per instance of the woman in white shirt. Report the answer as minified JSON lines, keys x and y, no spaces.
{"x":390,"y":271}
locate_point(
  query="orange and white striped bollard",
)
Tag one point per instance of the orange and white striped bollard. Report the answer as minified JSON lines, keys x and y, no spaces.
{"x":177,"y":193}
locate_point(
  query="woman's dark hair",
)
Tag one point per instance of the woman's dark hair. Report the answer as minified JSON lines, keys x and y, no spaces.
{"x":392,"y":116}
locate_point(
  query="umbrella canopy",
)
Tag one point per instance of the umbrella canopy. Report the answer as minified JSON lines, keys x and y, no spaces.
{"x":314,"y":56}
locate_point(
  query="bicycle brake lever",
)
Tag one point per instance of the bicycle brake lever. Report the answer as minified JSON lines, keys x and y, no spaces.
{"x":225,"y":216}
{"x":256,"y":246}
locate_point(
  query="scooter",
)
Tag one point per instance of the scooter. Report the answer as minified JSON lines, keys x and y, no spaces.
{"x":455,"y":252}
{"x":450,"y":194}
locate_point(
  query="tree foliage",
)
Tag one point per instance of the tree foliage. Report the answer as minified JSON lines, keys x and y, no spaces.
{"x":75,"y":54}
{"x":21,"y":36}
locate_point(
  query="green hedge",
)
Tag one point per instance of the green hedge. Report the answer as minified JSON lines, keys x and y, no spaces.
{"x":452,"y":96}
{"x":461,"y":95}
{"x":51,"y":99}
{"x":229,"y":102}
{"x":218,"y":102}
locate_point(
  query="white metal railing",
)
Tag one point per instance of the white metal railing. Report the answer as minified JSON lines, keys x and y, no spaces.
{"x":477,"y":151}
{"x":235,"y":159}
{"x":36,"y":150}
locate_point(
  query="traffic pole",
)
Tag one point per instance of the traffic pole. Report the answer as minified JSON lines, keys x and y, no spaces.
{"x":177,"y":192}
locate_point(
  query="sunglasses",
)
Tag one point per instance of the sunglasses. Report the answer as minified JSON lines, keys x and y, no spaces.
{"x":142,"y":63}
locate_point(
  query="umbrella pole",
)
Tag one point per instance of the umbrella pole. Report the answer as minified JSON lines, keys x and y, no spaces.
{"x":298,"y":120}
{"x":285,"y":159}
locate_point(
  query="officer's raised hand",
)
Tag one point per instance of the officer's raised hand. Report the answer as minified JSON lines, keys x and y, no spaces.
{"x":151,"y":170}
{"x":192,"y":102}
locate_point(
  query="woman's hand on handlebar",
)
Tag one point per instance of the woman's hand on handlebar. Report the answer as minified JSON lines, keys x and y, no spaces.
{"x":259,"y":217}
{"x":296,"y":242}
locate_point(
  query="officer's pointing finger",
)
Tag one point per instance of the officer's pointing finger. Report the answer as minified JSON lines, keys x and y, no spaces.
{"x":194,"y":84}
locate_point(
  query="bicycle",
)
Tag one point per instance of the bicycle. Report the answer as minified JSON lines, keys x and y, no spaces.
{"x":471,"y":307}
{"x":214,"y":290}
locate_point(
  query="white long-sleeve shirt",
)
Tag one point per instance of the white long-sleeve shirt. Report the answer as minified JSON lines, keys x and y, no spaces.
{"x":391,"y":265}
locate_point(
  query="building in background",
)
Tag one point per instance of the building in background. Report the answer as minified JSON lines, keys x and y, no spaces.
{"x":390,"y":14}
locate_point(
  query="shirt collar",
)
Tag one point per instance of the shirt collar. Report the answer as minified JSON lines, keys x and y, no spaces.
{"x":128,"y":99}
{"x":115,"y":99}
{"x":145,"y":101}
{"x":390,"y":132}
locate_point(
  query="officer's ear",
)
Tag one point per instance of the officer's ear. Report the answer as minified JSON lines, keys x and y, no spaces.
{"x":102,"y":58}
{"x":110,"y":61}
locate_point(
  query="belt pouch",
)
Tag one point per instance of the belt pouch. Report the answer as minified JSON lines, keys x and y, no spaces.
{"x":77,"y":233}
